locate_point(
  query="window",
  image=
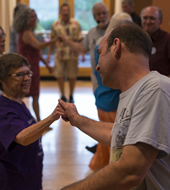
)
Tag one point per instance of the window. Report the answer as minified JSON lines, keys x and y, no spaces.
{"x":47,"y":12}
{"x":83,"y":13}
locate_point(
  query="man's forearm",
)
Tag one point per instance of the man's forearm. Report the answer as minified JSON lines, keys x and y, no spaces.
{"x":107,"y":178}
{"x":77,"y":46}
{"x":100,"y":131}
{"x":124,"y":174}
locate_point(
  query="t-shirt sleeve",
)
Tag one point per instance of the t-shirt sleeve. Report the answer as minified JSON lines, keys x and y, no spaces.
{"x":150,"y":121}
{"x":85,"y":42}
{"x":11,"y":125}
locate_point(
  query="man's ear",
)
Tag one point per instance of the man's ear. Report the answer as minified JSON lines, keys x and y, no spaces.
{"x":117,"y":47}
{"x":161,"y":21}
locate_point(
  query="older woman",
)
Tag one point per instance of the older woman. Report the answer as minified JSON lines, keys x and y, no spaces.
{"x":28,"y":46}
{"x":2,"y":40}
{"x":21,"y":154}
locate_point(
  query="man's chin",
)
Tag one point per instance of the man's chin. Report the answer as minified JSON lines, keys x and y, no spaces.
{"x":105,"y":84}
{"x":150,"y":32}
{"x":102,"y":24}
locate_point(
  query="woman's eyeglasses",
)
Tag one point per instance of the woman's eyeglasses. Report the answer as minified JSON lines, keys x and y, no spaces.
{"x":21,"y":75}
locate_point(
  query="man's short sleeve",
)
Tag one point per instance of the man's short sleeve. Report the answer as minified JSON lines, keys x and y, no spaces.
{"x":85,"y":42}
{"x":150,"y":121}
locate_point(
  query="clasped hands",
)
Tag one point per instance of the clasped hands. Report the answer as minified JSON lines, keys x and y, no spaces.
{"x":67,"y":111}
{"x":62,"y":38}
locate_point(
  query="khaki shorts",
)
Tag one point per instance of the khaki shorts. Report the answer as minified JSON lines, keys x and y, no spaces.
{"x":66,"y":68}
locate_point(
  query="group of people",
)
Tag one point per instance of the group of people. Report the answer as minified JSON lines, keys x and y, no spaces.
{"x":150,"y":20}
{"x":132,"y":98}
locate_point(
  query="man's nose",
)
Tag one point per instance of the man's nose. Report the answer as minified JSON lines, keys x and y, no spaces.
{"x":97,"y":67}
{"x":148,"y":20}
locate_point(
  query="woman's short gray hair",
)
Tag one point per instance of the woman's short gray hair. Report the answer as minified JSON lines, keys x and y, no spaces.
{"x":117,"y":19}
{"x":10,"y":61}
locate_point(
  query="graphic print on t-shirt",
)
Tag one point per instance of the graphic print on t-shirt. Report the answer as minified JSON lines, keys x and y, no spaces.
{"x":119,"y":134}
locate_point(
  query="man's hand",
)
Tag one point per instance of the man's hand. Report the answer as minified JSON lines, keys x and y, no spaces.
{"x":54,"y":115}
{"x":68,"y":111}
{"x":54,"y":40}
{"x":62,"y":38}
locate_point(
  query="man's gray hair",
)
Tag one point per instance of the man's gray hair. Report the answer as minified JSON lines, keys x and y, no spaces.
{"x":97,"y":6}
{"x":161,"y":14}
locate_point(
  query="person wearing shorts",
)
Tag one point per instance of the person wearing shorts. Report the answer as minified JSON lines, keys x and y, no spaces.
{"x":66,"y":59}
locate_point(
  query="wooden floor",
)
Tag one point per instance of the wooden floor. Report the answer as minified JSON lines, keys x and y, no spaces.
{"x":66,"y":159}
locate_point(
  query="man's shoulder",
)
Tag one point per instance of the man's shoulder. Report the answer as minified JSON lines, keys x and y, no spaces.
{"x":164,"y":33}
{"x":72,"y":20}
{"x":56,"y":22}
{"x":152,"y":81}
{"x":157,"y":81}
{"x":94,"y":31}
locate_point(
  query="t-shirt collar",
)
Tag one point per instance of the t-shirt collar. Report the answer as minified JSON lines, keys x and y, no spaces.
{"x":63,"y":23}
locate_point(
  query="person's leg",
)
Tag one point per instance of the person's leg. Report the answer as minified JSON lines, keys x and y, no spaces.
{"x":72,"y":84}
{"x":72,"y":71}
{"x":59,"y":73}
{"x":35,"y":105}
{"x":61,"y":85}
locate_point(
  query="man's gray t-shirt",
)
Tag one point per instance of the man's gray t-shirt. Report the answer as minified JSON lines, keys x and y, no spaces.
{"x":143,"y":115}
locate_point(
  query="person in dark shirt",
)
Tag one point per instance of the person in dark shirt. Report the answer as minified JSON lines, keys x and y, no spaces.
{"x":128,"y":7}
{"x":152,"y":18}
{"x":21,"y":153}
